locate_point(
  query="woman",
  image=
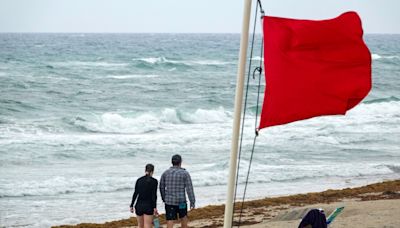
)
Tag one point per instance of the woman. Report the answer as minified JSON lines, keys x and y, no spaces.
{"x":146,"y":194}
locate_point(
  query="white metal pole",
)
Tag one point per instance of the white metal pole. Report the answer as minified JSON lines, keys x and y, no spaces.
{"x":237,"y":113}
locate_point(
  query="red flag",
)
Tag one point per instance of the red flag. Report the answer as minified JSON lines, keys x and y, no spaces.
{"x":313,"y":68}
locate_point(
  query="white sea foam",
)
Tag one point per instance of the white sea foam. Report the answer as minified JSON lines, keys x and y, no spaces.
{"x":211,"y":176}
{"x":116,"y":123}
{"x":151,"y":60}
{"x":273,"y":168}
{"x":363,"y":114}
{"x":156,"y":60}
{"x":365,"y":117}
{"x":207,"y":116}
{"x":258,"y":58}
{"x":60,"y":185}
{"x":170,"y":115}
{"x":146,"y":122}
{"x":296,"y":170}
{"x":23,"y":128}
{"x":377,"y":56}
{"x":160,"y":60}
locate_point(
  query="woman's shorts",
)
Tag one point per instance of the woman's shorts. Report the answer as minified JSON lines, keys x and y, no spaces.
{"x":144,"y":210}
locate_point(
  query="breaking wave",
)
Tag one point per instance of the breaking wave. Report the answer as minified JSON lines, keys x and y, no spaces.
{"x":377,"y":56}
{"x":147,"y":122}
{"x":163,"y":60}
{"x":373,"y":112}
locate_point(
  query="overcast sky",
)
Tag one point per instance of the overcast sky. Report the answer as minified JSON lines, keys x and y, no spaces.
{"x":179,"y":16}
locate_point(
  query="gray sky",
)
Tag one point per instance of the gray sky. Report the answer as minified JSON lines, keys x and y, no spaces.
{"x":179,"y":16}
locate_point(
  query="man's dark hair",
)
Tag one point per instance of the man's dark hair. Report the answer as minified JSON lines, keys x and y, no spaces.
{"x":149,"y":168}
{"x":176,"y":160}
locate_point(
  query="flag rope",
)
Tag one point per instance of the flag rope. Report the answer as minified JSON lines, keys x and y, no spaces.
{"x":259,"y":70}
{"x":244,"y":110}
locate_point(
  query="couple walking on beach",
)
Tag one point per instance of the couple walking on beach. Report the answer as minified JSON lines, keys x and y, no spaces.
{"x":174,"y":183}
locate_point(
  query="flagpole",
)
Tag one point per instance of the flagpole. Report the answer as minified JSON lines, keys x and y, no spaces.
{"x":237,"y":113}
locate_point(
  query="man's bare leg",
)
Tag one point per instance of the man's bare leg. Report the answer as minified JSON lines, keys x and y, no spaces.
{"x":170,"y":223}
{"x":184,"y":222}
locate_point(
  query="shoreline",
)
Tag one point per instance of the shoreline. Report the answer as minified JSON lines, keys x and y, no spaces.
{"x":256,"y":213}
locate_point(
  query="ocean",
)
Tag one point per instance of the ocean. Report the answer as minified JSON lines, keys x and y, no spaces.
{"x":82,"y":114}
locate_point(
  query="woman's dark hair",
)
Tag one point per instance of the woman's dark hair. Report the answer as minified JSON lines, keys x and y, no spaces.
{"x":149,"y":168}
{"x":176,"y":159}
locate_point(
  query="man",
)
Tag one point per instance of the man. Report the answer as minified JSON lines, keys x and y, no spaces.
{"x":173,"y":184}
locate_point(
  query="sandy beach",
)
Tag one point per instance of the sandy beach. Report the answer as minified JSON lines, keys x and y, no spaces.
{"x":374,"y":213}
{"x":375,"y":205}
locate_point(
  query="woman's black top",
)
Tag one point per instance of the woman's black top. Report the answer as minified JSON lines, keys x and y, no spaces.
{"x":145,"y":192}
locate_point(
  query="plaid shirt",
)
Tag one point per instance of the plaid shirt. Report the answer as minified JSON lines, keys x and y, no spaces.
{"x":173,"y":183}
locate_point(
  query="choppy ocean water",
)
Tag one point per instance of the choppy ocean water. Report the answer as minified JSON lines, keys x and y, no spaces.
{"x":81,"y":114}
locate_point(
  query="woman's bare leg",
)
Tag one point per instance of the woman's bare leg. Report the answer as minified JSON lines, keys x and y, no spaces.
{"x":140,"y":221}
{"x":148,"y":221}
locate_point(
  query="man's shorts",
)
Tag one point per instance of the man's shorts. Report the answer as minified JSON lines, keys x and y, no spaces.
{"x":172,"y":211}
{"x":144,"y":210}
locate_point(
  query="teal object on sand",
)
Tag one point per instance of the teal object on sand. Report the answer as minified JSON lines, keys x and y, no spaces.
{"x":156,"y":222}
{"x":333,"y":215}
